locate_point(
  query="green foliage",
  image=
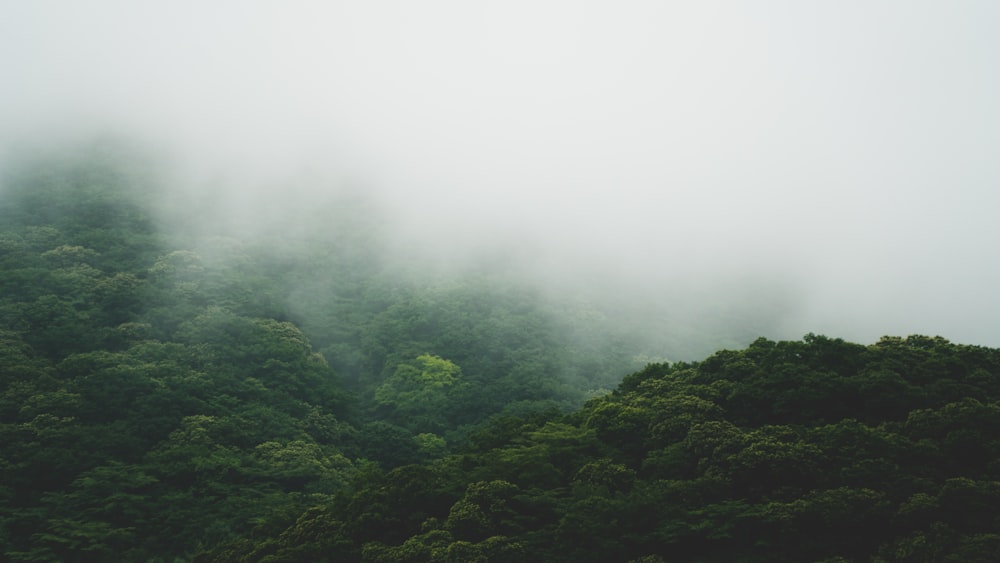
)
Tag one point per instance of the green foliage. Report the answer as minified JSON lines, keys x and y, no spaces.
{"x":162,"y":398}
{"x":139,"y":420}
{"x":675,"y":465}
{"x":418,"y":393}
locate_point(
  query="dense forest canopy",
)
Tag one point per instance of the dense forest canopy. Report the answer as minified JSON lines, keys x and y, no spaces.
{"x":519,"y":281}
{"x":175,"y":390}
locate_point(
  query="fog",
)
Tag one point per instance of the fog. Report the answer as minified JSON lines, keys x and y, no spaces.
{"x":829,"y":166}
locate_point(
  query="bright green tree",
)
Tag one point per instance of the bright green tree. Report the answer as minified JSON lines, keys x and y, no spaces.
{"x":417,"y":394}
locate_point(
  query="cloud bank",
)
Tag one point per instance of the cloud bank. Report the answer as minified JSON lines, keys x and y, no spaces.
{"x":838,"y":159}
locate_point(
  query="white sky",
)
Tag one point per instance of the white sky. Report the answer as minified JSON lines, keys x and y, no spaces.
{"x":852,"y":147}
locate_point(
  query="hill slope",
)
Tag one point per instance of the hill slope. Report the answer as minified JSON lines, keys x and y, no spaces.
{"x":818,"y":450}
{"x":171,"y":390}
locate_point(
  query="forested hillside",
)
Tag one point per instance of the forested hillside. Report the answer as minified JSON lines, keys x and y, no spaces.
{"x":173,"y":389}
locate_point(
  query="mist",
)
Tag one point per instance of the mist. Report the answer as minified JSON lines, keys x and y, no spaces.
{"x":792,"y":167}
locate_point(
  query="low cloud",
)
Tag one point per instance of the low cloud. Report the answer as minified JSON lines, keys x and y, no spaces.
{"x":825,"y":168}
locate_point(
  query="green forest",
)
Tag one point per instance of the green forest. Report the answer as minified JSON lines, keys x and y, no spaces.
{"x":176,"y":387}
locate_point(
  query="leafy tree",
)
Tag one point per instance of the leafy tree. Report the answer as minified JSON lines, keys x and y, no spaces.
{"x":418,"y":392}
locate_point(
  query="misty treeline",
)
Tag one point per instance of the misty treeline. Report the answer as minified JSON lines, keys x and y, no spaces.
{"x":179,"y":383}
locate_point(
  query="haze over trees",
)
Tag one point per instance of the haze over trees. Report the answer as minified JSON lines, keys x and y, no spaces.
{"x":190,"y":394}
{"x":774,"y":170}
{"x":499,"y":281}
